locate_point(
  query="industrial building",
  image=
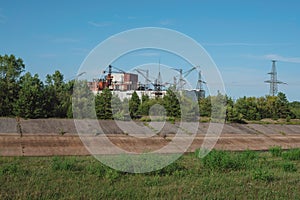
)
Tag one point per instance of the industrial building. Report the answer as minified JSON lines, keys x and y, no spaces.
{"x":124,"y":84}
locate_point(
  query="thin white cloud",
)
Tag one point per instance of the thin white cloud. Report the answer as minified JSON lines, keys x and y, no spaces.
{"x":282,"y":58}
{"x":2,"y":17}
{"x":131,"y":17}
{"x":80,"y":51}
{"x":166,"y":22}
{"x":65,"y":40}
{"x":245,"y":44}
{"x":99,"y":24}
{"x":275,"y":57}
{"x":47,"y":55}
{"x":149,"y":54}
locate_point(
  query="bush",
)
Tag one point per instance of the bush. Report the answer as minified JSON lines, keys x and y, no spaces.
{"x":276,"y":151}
{"x":293,"y":154}
{"x":289,"y":167}
{"x":221,"y":160}
{"x":225,"y":160}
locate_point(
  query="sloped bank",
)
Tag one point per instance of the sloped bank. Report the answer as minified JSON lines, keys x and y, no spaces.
{"x":47,"y":137}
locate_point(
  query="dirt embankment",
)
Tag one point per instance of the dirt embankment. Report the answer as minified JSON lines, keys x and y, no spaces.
{"x":44,"y":137}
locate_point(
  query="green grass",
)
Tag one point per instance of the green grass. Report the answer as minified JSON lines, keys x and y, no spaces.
{"x":220,"y":175}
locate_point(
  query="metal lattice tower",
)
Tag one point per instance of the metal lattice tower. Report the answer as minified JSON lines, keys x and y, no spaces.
{"x":200,"y":83}
{"x":274,"y":82}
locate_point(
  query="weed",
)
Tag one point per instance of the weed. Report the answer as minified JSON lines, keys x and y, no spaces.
{"x":170,"y":169}
{"x":9,"y":168}
{"x":221,"y":160}
{"x":60,"y":163}
{"x":263,"y":175}
{"x":171,"y":120}
{"x":289,"y":167}
{"x":98,"y":170}
{"x":292,"y":154}
{"x":112,"y":174}
{"x":276,"y":151}
{"x":282,"y":133}
{"x":61,"y":131}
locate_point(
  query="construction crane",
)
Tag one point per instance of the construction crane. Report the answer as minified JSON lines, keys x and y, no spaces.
{"x":182,"y":75}
{"x":146,"y":77}
{"x":157,"y":84}
{"x":106,"y":82}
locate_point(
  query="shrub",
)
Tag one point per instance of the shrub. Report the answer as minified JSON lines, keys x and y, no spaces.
{"x":225,"y":160}
{"x":292,"y":154}
{"x":289,"y":167}
{"x":221,"y":160}
{"x":276,"y":151}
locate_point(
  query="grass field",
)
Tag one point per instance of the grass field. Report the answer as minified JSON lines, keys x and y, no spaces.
{"x":220,"y":175}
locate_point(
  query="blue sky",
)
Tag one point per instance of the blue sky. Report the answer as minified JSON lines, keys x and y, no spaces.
{"x":242,"y":37}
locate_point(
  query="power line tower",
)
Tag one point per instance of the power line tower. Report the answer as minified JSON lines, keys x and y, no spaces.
{"x":199,"y":86}
{"x":274,"y":82}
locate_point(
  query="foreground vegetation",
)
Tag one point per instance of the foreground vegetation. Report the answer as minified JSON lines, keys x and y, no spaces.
{"x":222,"y":175}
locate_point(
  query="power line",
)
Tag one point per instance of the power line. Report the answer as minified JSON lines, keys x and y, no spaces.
{"x":274,"y":82}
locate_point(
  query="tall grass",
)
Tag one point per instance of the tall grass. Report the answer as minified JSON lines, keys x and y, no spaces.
{"x":219,"y":175}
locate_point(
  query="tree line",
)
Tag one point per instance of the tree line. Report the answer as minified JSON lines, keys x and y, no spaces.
{"x":25,"y":95}
{"x":254,"y":108}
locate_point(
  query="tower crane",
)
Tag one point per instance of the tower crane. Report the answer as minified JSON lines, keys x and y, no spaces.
{"x":107,"y":80}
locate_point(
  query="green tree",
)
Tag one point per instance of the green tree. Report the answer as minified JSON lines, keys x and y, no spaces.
{"x":205,"y":106}
{"x":283,"y":106}
{"x":145,"y":105}
{"x":10,"y":71}
{"x":103,"y":105}
{"x":171,"y":103}
{"x":31,"y":102}
{"x":218,"y":107}
{"x":295,"y":109}
{"x":271,"y":107}
{"x":134,"y":104}
{"x":83,"y":101}
{"x":188,"y":107}
{"x":58,"y":95}
{"x":247,"y":107}
{"x":262,"y":107}
{"x":116,"y":106}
